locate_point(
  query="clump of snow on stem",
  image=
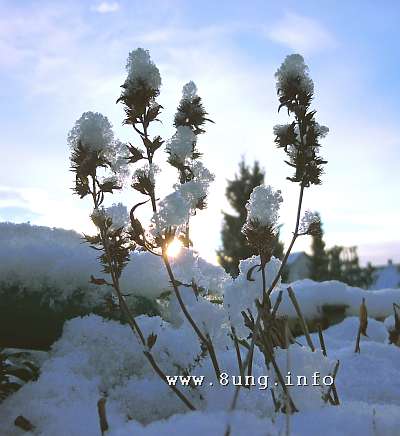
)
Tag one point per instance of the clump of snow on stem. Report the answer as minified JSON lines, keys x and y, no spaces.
{"x":118,"y":214}
{"x":141,"y":69}
{"x":173,"y":211}
{"x":180,"y":145}
{"x":93,"y":132}
{"x":197,"y":188}
{"x":308,"y":219}
{"x":147,"y":172}
{"x":263,"y":205}
{"x":240,"y":293}
{"x":294,"y":73}
{"x":189,"y":91}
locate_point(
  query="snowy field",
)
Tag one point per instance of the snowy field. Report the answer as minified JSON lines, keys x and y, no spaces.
{"x":97,"y":358}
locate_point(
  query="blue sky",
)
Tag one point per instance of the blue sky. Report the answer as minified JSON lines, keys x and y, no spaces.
{"x":59,"y":59}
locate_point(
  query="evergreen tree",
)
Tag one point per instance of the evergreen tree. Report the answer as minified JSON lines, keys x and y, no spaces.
{"x":318,"y":258}
{"x":344,"y":266}
{"x":234,"y":244}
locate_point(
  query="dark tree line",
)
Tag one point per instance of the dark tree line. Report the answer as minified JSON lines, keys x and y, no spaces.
{"x":337,"y":263}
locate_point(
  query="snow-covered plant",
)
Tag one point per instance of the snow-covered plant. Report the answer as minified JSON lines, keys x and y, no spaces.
{"x":120,"y":232}
{"x":114,"y":239}
{"x":194,"y":179}
{"x":300,"y":141}
{"x":260,"y":227}
{"x":94,"y":147}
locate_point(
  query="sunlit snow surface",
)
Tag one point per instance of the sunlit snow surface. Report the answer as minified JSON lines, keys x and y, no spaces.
{"x":96,"y":356}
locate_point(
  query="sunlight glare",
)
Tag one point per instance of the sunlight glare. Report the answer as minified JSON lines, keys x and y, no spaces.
{"x":174,"y":248}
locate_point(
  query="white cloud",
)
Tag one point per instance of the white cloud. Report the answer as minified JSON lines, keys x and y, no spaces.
{"x":106,"y":7}
{"x":301,"y":34}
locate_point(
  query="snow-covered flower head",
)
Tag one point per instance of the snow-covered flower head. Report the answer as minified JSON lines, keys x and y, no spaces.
{"x":146,"y":172}
{"x":181,"y":145}
{"x":190,"y":111}
{"x":93,"y":146}
{"x":293,"y":76}
{"x":143,"y":179}
{"x":118,"y":214}
{"x":117,"y":158}
{"x":299,"y":139}
{"x":260,"y":228}
{"x":142,"y":70}
{"x":310,"y":222}
{"x":189,"y":91}
{"x":263,"y":205}
{"x":195,"y":191}
{"x":173,"y":211}
{"x":93,"y":132}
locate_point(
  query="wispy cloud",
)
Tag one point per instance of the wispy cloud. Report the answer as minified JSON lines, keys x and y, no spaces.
{"x":302,"y":34}
{"x":106,"y":7}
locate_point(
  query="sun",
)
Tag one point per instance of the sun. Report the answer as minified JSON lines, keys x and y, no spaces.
{"x":174,"y":248}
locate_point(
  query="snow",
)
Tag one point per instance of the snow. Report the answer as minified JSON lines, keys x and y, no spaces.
{"x":294,"y":256}
{"x":312,"y":296}
{"x":387,"y":277}
{"x":189,"y":91}
{"x":180,"y":146}
{"x":263,"y":205}
{"x":96,"y":357}
{"x":140,"y":69}
{"x":294,"y":72}
{"x":309,"y":218}
{"x":117,"y":212}
{"x":93,"y":131}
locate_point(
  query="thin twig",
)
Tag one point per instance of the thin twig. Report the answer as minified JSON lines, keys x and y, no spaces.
{"x":101,"y":409}
{"x":162,"y":375}
{"x":238,"y":355}
{"x":277,"y":304}
{"x":124,"y":307}
{"x":206,"y":342}
{"x":321,"y":341}
{"x":303,"y":324}
{"x":332,"y":386}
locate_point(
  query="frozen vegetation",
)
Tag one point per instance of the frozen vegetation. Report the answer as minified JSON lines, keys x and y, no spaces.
{"x":219,"y":356}
{"x":96,"y":356}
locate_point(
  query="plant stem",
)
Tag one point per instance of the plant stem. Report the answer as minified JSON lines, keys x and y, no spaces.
{"x":273,"y":284}
{"x":130,"y":319}
{"x":321,"y":341}
{"x":301,"y":318}
{"x":206,"y":342}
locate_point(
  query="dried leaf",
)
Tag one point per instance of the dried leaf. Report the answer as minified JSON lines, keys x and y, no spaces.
{"x":97,"y":281}
{"x":363,"y":318}
{"x":250,"y":272}
{"x":151,"y":340}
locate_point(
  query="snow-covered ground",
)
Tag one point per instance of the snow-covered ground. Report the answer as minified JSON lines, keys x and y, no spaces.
{"x":98,"y":358}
